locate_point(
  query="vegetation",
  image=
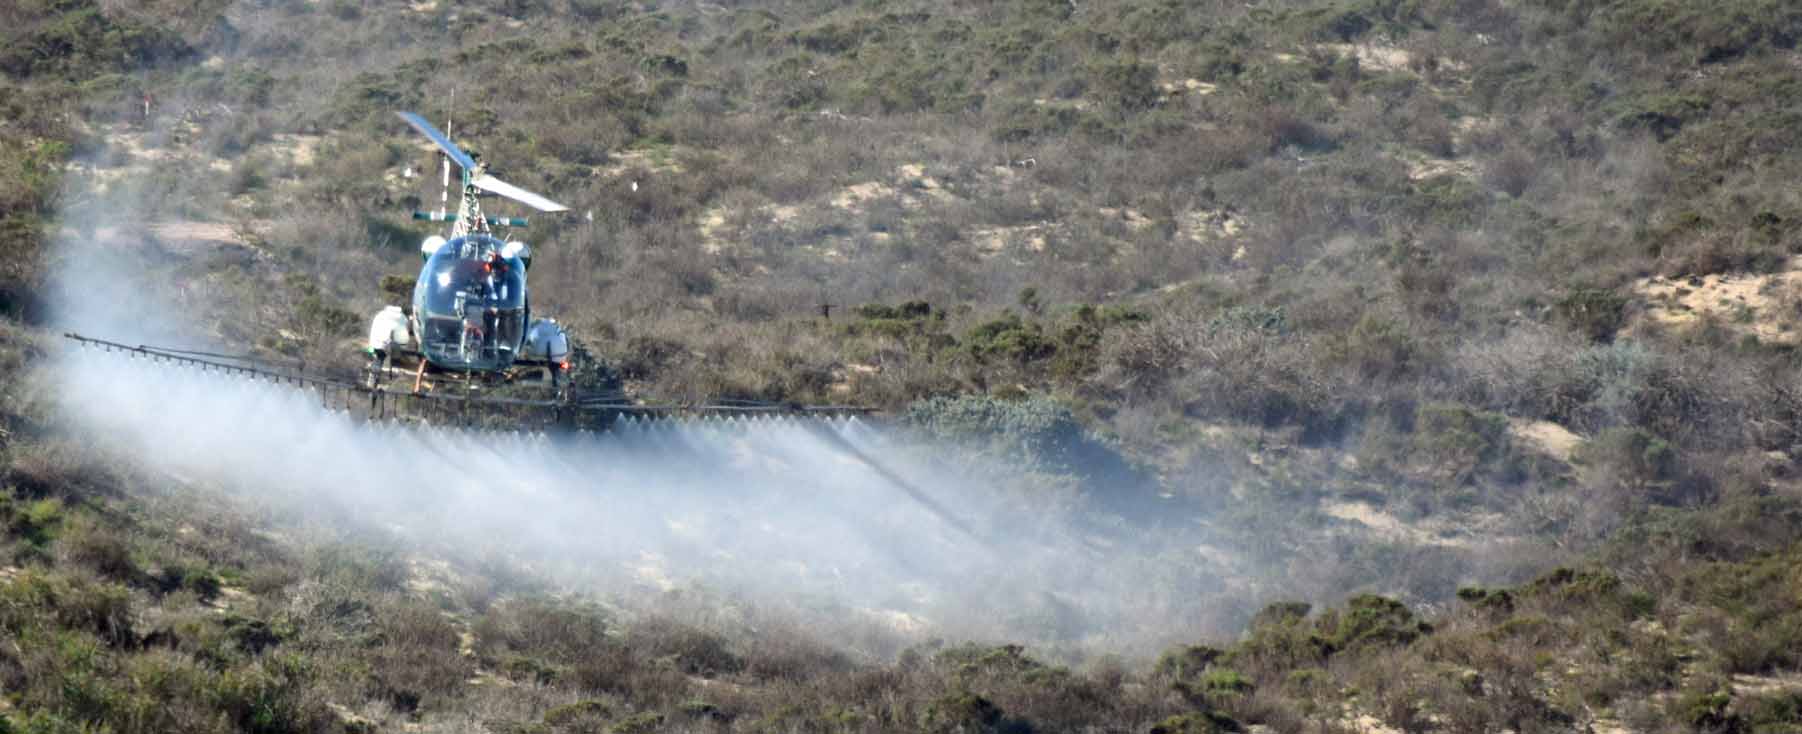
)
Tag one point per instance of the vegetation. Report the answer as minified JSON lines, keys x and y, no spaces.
{"x":1270,"y":266}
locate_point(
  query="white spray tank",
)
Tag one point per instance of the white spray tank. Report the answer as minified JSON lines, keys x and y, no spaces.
{"x":389,"y":330}
{"x":547,"y":342}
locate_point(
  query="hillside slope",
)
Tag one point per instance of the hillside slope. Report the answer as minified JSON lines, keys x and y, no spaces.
{"x":1393,"y":297}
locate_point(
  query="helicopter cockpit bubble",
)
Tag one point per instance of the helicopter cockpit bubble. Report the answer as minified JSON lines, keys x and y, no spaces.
{"x":471,"y":305}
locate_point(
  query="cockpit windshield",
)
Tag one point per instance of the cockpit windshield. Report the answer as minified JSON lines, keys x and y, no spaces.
{"x":471,"y":303}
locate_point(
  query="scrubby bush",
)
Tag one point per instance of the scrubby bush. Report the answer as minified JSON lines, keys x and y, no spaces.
{"x":1636,"y":459}
{"x":1369,"y":621}
{"x":1038,"y":431}
{"x":538,"y":628}
{"x":1010,"y":338}
{"x":1593,"y":312}
{"x":79,"y":39}
{"x":1456,"y":443}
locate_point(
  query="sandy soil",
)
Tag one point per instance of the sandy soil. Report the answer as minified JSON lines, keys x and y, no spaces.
{"x":1550,"y":438}
{"x":997,"y":239}
{"x":1750,"y":304}
{"x":1385,"y":525}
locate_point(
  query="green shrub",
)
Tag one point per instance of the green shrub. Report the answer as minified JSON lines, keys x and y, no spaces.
{"x":1037,"y":431}
{"x":1279,"y":638}
{"x":30,"y":188}
{"x":1449,"y":200}
{"x":962,"y":711}
{"x":1187,"y":661}
{"x":1662,"y":115}
{"x":1631,"y":457}
{"x":1307,"y":681}
{"x":581,"y":713}
{"x":317,"y":316}
{"x":693,"y":651}
{"x":1458,"y":443}
{"x":1773,"y":711}
{"x":35,"y":521}
{"x":703,"y":711}
{"x":99,"y":608}
{"x":102,"y":549}
{"x":270,"y":697}
{"x":1125,"y":85}
{"x":1009,"y":338}
{"x":78,"y":39}
{"x":358,"y":567}
{"x":1225,"y":680}
{"x":1380,"y":347}
{"x":1593,"y":312}
{"x":195,"y":577}
{"x":1497,"y":600}
{"x":1707,"y":710}
{"x":1369,"y":621}
{"x":911,"y":310}
{"x":1700,"y":35}
{"x":541,"y":628}
{"x":1208,"y":722}
{"x":1595,"y":588}
{"x":398,"y":289}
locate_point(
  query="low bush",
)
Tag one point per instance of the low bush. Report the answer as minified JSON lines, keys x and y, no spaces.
{"x":1456,"y":443}
{"x":541,"y":628}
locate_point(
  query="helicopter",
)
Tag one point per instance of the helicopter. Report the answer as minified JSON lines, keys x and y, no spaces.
{"x":470,"y":314}
{"x":470,"y":324}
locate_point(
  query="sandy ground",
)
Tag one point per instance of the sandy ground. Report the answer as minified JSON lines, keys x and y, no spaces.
{"x":1754,"y":305}
{"x":1550,"y":438}
{"x":1385,"y":525}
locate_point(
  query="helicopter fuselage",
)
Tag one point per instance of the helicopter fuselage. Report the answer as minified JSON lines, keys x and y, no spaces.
{"x":469,"y":306}
{"x":470,"y":315}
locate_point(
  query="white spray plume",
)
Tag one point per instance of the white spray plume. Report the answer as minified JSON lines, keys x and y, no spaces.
{"x":779,"y":511}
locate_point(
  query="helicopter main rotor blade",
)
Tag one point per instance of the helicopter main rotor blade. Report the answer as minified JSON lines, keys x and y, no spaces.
{"x":444,"y":143}
{"x":486,"y":182}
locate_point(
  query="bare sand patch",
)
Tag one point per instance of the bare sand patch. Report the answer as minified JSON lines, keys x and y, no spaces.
{"x":300,"y":150}
{"x":1208,"y":225}
{"x":1756,"y":305}
{"x":657,"y":160}
{"x":1133,"y":219}
{"x":712,"y":221}
{"x":1550,"y":438}
{"x":855,"y":196}
{"x":1367,"y":724}
{"x":1180,"y":87}
{"x":1430,"y":167}
{"x":994,"y":240}
{"x":1385,"y":525}
{"x":1381,"y":57}
{"x":1388,"y":57}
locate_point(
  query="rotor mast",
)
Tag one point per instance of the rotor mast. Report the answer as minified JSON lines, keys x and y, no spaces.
{"x":469,"y":211}
{"x":475,"y":179}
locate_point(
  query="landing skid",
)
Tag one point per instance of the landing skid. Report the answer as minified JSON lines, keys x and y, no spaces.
{"x":396,"y":371}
